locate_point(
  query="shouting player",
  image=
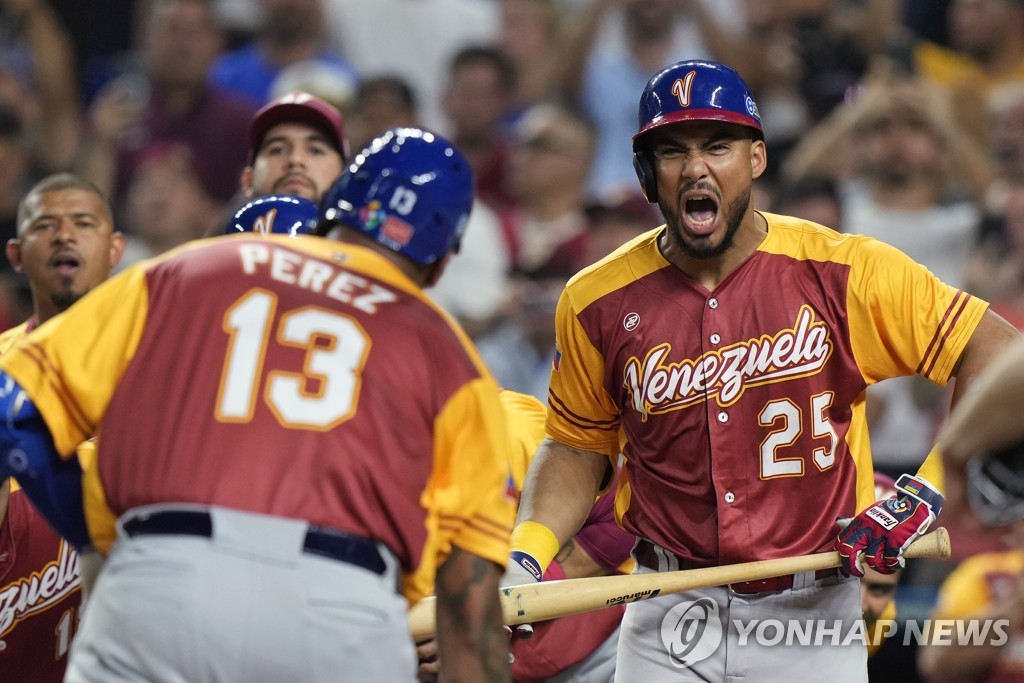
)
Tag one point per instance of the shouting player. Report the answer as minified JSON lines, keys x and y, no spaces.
{"x":66,"y":245}
{"x":269,"y":489}
{"x":733,"y":347}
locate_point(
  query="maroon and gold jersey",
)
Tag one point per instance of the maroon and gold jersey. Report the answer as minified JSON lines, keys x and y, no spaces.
{"x":40,"y":596}
{"x":742,"y":408}
{"x":296,"y":377}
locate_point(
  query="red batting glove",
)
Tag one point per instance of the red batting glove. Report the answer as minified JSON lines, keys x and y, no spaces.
{"x":886,"y":528}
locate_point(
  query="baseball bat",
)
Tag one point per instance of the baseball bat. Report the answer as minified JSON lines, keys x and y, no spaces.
{"x":552,"y":599}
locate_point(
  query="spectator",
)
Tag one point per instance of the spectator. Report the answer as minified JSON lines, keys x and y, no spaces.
{"x":166,"y":204}
{"x":986,"y":50}
{"x":381,"y":103}
{"x":909,"y":183}
{"x":813,"y":198}
{"x":614,"y":47}
{"x":520,"y":348}
{"x":546,"y":228}
{"x":169,"y":99}
{"x":531,"y":38}
{"x":44,"y":92}
{"x":290,"y":33}
{"x":14,"y":170}
{"x":616,"y":220}
{"x":477,"y":101}
{"x":996,"y":269}
{"x":415,"y":39}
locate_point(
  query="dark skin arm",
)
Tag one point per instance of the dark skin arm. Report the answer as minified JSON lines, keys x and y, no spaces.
{"x":471,"y":640}
{"x":989,"y":415}
{"x":561,"y":486}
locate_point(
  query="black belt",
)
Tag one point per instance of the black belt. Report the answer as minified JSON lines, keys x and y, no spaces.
{"x":320,"y":540}
{"x":646,"y":556}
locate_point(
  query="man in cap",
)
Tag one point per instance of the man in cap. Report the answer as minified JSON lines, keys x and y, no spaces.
{"x":297,"y":147}
{"x":731,"y":349}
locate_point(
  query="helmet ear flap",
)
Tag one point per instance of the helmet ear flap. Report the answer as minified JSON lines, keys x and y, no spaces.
{"x":643,"y":164}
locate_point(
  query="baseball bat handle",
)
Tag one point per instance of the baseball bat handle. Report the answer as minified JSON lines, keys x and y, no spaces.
{"x":553,"y":599}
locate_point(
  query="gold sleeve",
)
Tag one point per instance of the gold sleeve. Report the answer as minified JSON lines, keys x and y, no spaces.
{"x":468,"y":498}
{"x":71,"y":364}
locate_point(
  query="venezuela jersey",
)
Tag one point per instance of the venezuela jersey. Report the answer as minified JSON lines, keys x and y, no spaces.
{"x":742,"y":408}
{"x":303,"y":378}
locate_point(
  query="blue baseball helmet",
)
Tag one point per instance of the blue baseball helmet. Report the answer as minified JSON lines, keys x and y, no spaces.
{"x":281,"y":214}
{"x":410,"y":190}
{"x":696,"y":90}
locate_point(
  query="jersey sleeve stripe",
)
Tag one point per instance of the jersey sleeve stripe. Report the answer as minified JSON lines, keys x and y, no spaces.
{"x":74,"y":412}
{"x":501,"y":533}
{"x":490,"y":526}
{"x":948,"y":323}
{"x":558,"y":406}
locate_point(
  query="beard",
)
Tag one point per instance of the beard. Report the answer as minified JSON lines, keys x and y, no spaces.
{"x":63,"y":300}
{"x":702,"y":248}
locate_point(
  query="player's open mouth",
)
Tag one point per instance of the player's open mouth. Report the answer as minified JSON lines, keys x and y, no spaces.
{"x":66,"y":264}
{"x":700,"y":211}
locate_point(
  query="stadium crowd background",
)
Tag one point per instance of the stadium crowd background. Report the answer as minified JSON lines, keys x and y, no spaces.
{"x":899,"y":119}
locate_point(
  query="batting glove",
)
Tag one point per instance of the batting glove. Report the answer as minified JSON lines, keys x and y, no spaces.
{"x":885,"y":529}
{"x":523,"y":568}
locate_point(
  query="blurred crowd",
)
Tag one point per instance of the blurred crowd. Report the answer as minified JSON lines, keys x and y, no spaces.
{"x":901,"y":119}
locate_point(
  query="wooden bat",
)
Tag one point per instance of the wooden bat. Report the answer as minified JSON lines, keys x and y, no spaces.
{"x":552,"y":599}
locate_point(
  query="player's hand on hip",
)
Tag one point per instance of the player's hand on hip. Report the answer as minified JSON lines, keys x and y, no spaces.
{"x":884,"y":530}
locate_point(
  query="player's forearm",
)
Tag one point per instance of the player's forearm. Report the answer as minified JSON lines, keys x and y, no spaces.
{"x":472,"y":644}
{"x":995,"y":394}
{"x":560,"y":488}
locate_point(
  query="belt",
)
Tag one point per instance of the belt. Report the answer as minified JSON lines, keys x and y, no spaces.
{"x":646,"y":555}
{"x":319,"y":540}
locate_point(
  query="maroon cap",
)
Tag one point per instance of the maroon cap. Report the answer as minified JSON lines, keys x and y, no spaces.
{"x":298,"y":107}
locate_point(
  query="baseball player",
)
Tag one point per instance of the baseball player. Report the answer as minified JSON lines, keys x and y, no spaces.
{"x":275,"y":487}
{"x":732,"y":348}
{"x":275,"y":214}
{"x":297,"y":147}
{"x":66,"y":245}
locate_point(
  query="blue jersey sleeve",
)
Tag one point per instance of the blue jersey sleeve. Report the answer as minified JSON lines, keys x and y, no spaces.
{"x":52,"y":483}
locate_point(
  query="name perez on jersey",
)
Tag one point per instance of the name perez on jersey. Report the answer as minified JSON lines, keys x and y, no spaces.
{"x":302,"y":271}
{"x":656,"y":386}
{"x":41,"y":590}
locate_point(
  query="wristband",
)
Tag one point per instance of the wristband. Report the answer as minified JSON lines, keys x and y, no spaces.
{"x":920,"y":488}
{"x":536,"y":540}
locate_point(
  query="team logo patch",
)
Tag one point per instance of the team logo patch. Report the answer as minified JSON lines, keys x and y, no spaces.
{"x":752,"y":108}
{"x":371,"y":216}
{"x":397,"y":230}
{"x":264,"y":224}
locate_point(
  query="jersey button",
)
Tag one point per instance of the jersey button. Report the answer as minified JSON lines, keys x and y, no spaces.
{"x":713,"y":303}
{"x":723,"y":416}
{"x":729,"y":497}
{"x":715,"y":339}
